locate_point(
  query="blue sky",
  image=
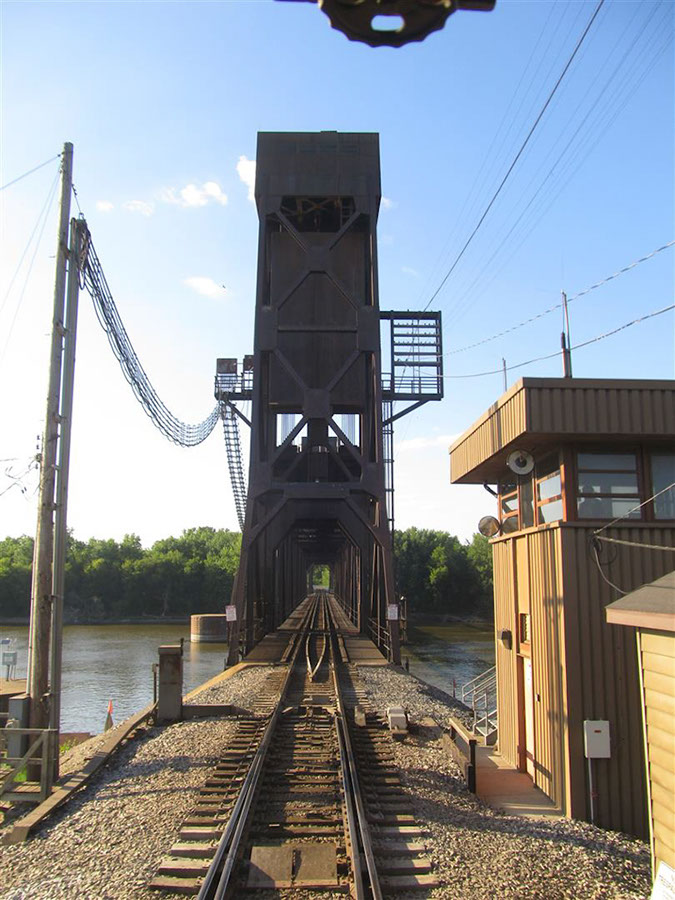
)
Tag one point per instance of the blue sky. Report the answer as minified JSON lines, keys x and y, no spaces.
{"x":163,"y":102}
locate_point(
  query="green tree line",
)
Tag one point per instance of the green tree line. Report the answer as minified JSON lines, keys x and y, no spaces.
{"x":110,"y":580}
{"x":194,"y":573}
{"x":440,"y":575}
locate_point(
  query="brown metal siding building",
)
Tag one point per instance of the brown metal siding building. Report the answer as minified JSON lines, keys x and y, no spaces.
{"x":598,"y":448}
{"x":651,"y":611}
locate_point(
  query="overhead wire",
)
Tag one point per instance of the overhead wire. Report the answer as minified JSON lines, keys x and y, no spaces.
{"x":518,"y":154}
{"x":50,"y":194}
{"x":641,"y":544}
{"x":491,"y":160}
{"x":629,"y":512}
{"x":557,"y":306}
{"x":30,"y":172}
{"x":594,"y":547}
{"x":41,"y":222}
{"x":594,"y":340}
{"x":577,"y":148}
{"x":598,"y":536}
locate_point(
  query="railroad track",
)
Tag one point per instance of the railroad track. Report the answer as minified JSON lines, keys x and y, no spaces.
{"x":304,"y":798}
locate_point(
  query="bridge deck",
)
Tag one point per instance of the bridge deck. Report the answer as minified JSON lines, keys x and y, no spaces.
{"x":360,"y":648}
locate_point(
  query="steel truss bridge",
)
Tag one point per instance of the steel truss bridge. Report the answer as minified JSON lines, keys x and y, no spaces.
{"x":327,"y":370}
{"x":320,"y":488}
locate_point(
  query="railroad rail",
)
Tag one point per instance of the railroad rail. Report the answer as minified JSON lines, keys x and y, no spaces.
{"x":303,"y":798}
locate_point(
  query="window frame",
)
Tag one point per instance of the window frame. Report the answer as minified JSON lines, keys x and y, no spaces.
{"x":649,"y":480}
{"x":638,"y":497}
{"x":517,"y":493}
{"x":537,"y":480}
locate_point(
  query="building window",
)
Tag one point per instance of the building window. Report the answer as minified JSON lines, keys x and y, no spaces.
{"x":549,"y":489}
{"x":524,"y":628}
{"x":508,"y":506}
{"x":607,"y":486}
{"x":663,"y":475}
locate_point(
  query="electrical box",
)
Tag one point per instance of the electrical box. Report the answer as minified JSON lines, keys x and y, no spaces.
{"x":596,"y":739}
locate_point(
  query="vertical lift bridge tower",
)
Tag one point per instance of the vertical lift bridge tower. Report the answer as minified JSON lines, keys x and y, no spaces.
{"x":317,"y":477}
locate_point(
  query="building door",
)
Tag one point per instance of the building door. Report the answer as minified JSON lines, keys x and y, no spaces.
{"x":528,"y":702}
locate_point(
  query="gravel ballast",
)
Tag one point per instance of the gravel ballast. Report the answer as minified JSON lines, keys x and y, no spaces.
{"x":108,"y":841}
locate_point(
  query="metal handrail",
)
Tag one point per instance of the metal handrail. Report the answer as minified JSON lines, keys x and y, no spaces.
{"x":485,"y":681}
{"x":487,"y":722}
{"x":380,"y":634}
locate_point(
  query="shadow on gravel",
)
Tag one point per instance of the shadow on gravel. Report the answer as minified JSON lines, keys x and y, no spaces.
{"x":468,"y":812}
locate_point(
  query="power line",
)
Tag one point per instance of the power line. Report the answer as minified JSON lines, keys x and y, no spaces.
{"x":30,"y":172}
{"x":492,"y":161}
{"x":43,"y":212}
{"x":551,"y":309}
{"x":594,"y":340}
{"x":634,"y":509}
{"x":634,"y":65}
{"x":635,"y":543}
{"x":594,"y":547}
{"x":44,"y":215}
{"x":518,"y":154}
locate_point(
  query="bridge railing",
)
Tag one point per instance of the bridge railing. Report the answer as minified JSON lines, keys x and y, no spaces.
{"x":379,"y":635}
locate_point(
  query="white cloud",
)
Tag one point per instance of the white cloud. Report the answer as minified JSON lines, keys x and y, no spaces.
{"x":193,"y":196}
{"x":140,"y":206}
{"x":388,"y":203}
{"x":408,"y":271}
{"x":246,"y":171}
{"x":104,"y":206}
{"x":207,"y":287}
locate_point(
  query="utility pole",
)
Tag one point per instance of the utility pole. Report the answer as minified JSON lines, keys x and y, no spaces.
{"x":78,"y":237}
{"x":41,"y":594}
{"x":565,"y":339}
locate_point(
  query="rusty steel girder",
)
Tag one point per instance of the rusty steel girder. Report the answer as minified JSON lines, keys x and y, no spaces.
{"x":409,"y":20}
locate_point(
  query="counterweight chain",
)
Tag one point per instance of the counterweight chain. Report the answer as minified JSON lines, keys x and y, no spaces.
{"x":175,"y":430}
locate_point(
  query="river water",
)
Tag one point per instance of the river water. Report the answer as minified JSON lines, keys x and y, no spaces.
{"x":114,"y":662}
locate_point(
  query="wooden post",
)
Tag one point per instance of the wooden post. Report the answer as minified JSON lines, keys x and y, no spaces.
{"x":41,"y":594}
{"x":61,"y":500}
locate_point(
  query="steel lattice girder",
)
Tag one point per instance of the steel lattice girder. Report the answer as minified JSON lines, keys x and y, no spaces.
{"x":316,"y":494}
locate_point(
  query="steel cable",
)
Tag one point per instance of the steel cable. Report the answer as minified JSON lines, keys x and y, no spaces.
{"x":179,"y":432}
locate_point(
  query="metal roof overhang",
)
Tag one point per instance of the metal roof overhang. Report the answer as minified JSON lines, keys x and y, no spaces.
{"x":538,"y":414}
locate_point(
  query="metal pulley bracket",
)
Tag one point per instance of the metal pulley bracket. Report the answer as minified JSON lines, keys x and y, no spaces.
{"x":412,"y":20}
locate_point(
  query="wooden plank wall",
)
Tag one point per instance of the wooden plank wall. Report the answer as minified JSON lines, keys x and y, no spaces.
{"x":602,"y":669}
{"x":657,"y":651}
